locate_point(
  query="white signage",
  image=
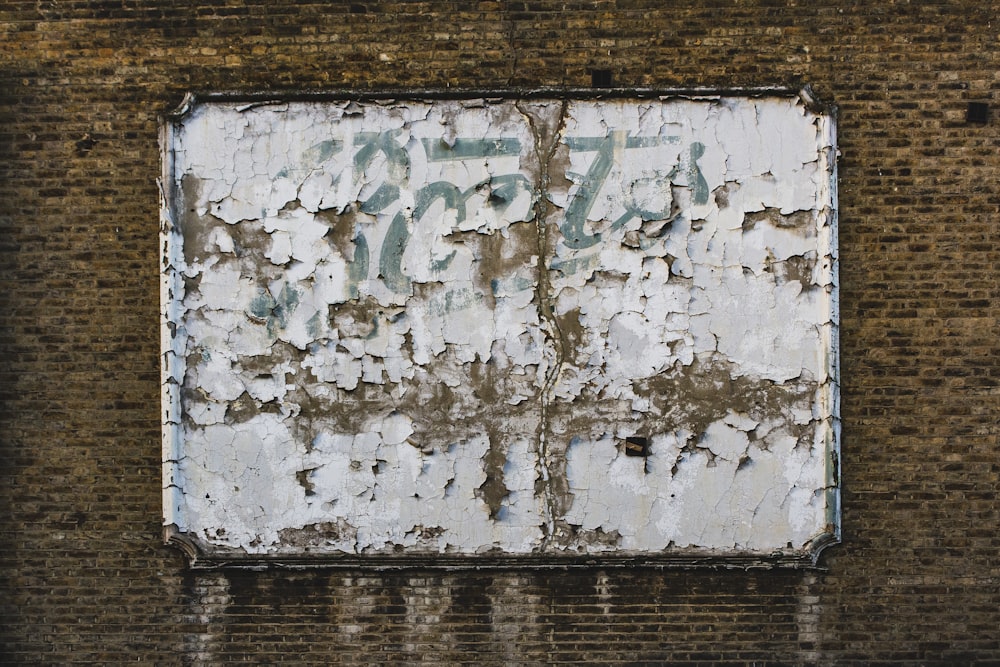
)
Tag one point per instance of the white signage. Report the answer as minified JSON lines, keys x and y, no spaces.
{"x":500,"y":327}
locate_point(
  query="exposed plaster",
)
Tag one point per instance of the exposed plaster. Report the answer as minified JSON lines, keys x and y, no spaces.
{"x":429,"y":327}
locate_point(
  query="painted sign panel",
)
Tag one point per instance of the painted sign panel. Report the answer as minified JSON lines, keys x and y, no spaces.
{"x":500,"y":327}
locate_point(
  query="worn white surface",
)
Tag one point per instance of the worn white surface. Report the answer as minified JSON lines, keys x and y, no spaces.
{"x":430,"y":326}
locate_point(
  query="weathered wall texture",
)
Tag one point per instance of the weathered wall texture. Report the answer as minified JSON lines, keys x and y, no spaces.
{"x":434,"y":326}
{"x":86,"y":577}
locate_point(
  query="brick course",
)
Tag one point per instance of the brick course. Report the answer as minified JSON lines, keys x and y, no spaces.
{"x":86,"y":578}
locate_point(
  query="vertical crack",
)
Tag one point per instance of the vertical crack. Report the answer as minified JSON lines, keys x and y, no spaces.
{"x":544,"y":154}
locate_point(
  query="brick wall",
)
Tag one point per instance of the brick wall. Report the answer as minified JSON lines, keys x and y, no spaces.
{"x":85,"y":575}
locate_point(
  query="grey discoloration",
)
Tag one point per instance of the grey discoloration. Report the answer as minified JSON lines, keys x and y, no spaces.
{"x":314,"y":535}
{"x":801,"y":220}
{"x":688,"y":398}
{"x":493,"y":490}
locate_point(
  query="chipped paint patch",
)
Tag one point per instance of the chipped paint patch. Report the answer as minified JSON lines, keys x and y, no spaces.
{"x":501,"y":327}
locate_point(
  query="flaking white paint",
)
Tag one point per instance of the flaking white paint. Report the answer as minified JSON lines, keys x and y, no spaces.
{"x":431,"y":326}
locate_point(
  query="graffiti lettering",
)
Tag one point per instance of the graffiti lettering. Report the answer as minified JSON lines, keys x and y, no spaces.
{"x":503,"y":190}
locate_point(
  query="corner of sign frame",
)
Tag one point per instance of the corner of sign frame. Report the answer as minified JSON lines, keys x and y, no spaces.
{"x":173,"y":537}
{"x":814,"y":103}
{"x":187,"y":104}
{"x":819,"y":545}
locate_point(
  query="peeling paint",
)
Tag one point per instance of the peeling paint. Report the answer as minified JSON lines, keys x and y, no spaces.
{"x":501,"y":326}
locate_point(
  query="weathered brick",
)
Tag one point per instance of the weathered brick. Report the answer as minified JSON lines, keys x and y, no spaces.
{"x":86,"y":578}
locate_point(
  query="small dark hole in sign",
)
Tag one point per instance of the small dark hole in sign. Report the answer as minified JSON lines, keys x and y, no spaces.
{"x":977,"y":112}
{"x":636,"y":446}
{"x":600,"y":78}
